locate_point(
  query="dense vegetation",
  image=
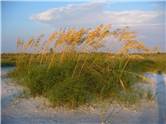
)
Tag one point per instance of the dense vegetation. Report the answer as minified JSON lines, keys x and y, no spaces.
{"x":8,"y":59}
{"x":152,"y":62}
{"x":73,"y":77}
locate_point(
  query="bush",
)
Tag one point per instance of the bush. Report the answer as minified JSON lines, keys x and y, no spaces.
{"x":74,"y":77}
{"x":94,"y":81}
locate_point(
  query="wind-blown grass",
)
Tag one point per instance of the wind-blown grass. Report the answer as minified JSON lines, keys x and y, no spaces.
{"x":74,"y":77}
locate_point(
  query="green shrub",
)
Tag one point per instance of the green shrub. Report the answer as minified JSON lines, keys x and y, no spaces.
{"x":101,"y":80}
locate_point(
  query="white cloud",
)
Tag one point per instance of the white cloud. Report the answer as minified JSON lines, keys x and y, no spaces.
{"x":71,"y":15}
{"x":135,"y":17}
{"x":90,"y":14}
{"x":44,"y":16}
{"x":149,"y":24}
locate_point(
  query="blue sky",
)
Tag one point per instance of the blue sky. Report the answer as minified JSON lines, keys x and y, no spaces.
{"x":27,"y":19}
{"x":16,"y":21}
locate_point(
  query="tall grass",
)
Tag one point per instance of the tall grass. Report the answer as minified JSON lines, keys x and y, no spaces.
{"x":70,"y":70}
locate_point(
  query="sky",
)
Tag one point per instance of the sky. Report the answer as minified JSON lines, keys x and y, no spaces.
{"x":25,"y":19}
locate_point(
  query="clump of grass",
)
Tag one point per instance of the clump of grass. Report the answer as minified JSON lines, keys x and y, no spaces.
{"x":74,"y":77}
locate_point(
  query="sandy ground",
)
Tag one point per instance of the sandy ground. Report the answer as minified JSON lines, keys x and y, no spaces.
{"x":26,"y":110}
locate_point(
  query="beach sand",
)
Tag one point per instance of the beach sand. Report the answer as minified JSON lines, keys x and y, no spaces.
{"x":19,"y":109}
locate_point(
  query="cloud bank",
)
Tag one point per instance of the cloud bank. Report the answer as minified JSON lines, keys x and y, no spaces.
{"x":149,"y":24}
{"x":91,"y":14}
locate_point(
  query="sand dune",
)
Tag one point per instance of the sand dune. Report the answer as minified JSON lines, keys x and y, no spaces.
{"x":21,"y":110}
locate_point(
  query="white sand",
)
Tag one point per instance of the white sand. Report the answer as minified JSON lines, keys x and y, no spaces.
{"x":16,"y":110}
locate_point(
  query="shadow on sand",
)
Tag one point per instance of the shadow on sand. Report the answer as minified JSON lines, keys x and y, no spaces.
{"x":161,"y":98}
{"x":157,"y":116}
